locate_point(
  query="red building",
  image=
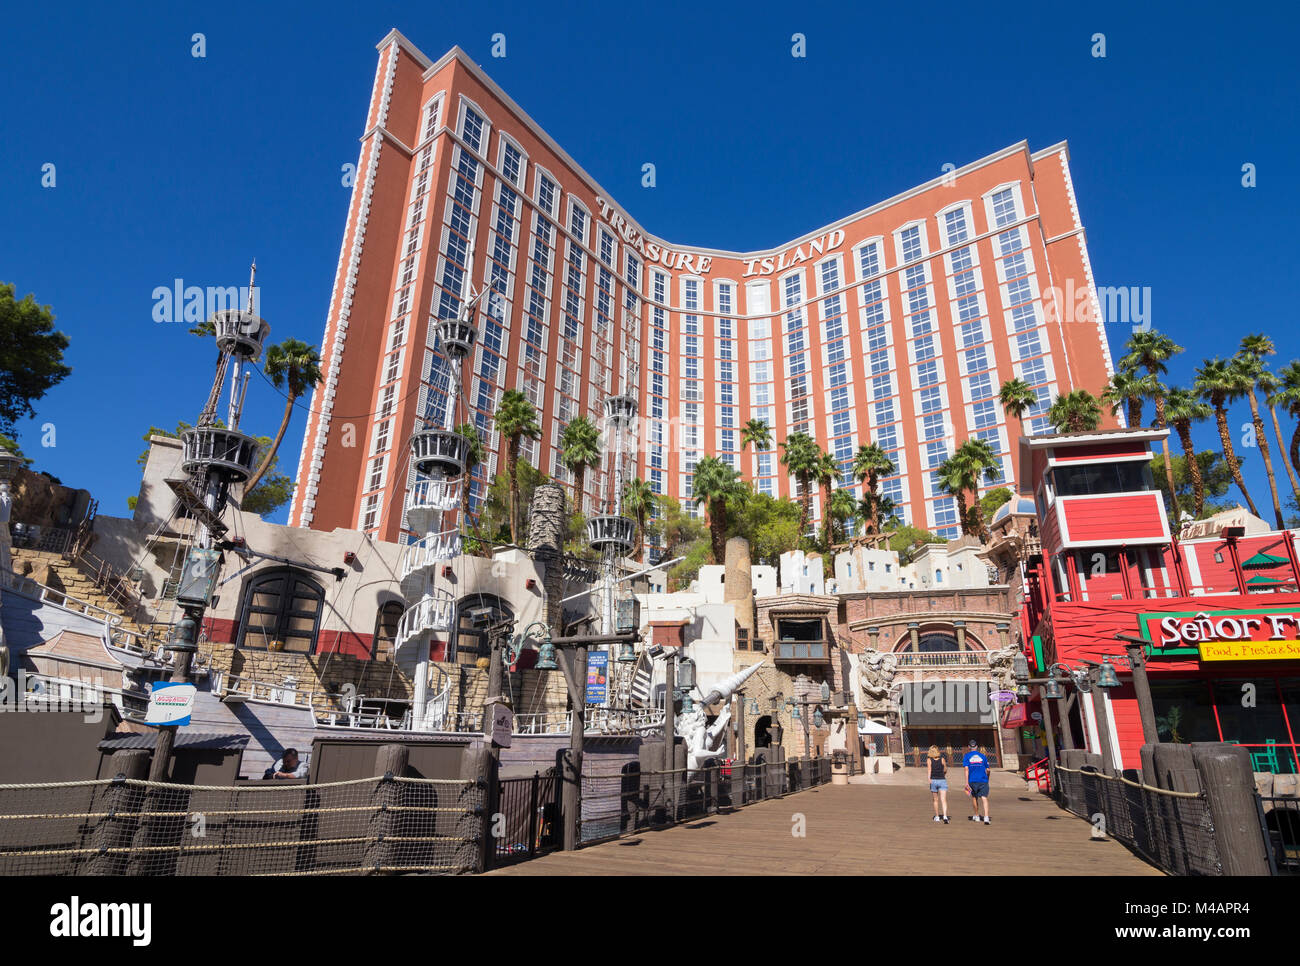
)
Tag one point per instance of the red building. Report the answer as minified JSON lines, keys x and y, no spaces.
{"x":1220,"y":612}
{"x":896,"y":324}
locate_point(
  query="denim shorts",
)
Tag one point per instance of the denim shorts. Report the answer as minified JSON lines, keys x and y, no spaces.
{"x":938,"y":784}
{"x":979,"y":789}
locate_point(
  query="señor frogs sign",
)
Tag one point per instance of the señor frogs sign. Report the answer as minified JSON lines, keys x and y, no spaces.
{"x":1226,"y":635}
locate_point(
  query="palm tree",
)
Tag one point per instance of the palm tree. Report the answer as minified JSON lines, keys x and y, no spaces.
{"x":1182,"y":408}
{"x":715,"y":484}
{"x":580,"y":448}
{"x":294,"y":365}
{"x":515,"y":419}
{"x":973,"y":463}
{"x":843,"y":507}
{"x":800,"y":458}
{"x":1289,"y":396}
{"x":475,"y":456}
{"x":953,"y":480}
{"x":1129,"y":390}
{"x":1217,"y":384}
{"x":757,"y":432}
{"x":1150,"y":350}
{"x":638,"y":498}
{"x":1077,"y":412}
{"x":1274,"y":396}
{"x":1248,"y":363}
{"x":871,"y":463}
{"x":1017,"y":398}
{"x":826,"y":473}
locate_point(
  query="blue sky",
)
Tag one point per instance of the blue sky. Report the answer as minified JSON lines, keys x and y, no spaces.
{"x":170,"y":166}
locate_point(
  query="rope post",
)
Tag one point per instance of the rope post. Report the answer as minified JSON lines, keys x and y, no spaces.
{"x":115,"y":832}
{"x":1228,"y":777}
{"x":385,"y":823}
{"x":478,"y":771}
{"x":1176,"y":772}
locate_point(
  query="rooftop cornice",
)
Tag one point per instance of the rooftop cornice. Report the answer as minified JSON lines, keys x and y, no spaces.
{"x":458,"y":55}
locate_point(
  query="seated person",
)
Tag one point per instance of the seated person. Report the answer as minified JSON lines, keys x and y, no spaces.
{"x":288,"y":766}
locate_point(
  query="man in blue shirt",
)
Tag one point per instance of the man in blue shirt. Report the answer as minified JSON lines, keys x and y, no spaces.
{"x":977,"y":780}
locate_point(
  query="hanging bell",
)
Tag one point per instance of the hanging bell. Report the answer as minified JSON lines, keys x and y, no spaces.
{"x":818,"y":720}
{"x":1053,"y":690}
{"x":1106,"y":677}
{"x":794,"y":712}
{"x":546,"y":657}
{"x":753,"y":706}
{"x":627,"y":653}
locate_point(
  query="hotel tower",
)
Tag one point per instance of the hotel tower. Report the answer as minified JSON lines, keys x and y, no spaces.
{"x":896,"y":325}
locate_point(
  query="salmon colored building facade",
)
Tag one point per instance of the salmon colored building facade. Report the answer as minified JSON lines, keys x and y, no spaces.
{"x":895,"y":325}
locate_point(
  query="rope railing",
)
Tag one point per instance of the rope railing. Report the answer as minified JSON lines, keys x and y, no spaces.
{"x":126,"y":826}
{"x":1172,"y":830}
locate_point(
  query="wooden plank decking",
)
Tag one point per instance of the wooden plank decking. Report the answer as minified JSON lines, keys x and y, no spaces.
{"x":859,"y":830}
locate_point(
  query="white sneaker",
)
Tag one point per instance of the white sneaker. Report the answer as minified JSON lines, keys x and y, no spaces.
{"x":986,"y":820}
{"x":937,"y":819}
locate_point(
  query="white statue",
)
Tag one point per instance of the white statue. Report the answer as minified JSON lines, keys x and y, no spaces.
{"x":704,"y":742}
{"x":1000,"y":663}
{"x":876,"y":671}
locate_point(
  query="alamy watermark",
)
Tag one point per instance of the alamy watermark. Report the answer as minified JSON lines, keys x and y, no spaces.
{"x":195,"y":303}
{"x":38,"y":693}
{"x":1119,"y":304}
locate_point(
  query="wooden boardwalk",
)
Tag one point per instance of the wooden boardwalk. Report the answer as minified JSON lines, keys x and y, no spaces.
{"x":859,"y":830}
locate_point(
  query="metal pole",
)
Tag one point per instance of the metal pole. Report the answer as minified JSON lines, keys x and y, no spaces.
{"x":1142,"y":688}
{"x":1103,"y":730}
{"x":740,"y":726}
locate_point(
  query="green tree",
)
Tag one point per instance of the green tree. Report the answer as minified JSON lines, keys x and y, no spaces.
{"x":1151,"y":350}
{"x":1128,"y":390}
{"x":757,"y":432}
{"x":1076,"y":412}
{"x":1218,"y":384}
{"x":770,"y":524}
{"x":870,"y":463}
{"x":31,"y":356}
{"x":11,"y":444}
{"x":973,"y":464}
{"x":296,"y":365}
{"x":906,"y":539}
{"x":515,"y":419}
{"x":843,"y":507}
{"x":827,"y":474}
{"x":1208,"y":470}
{"x":580,"y":449}
{"x":1017,"y":398}
{"x":991,"y":501}
{"x":716,"y":486}
{"x":1288,"y":396}
{"x":1271,"y":386}
{"x":1248,"y":365}
{"x":639,"y":499}
{"x":497,"y":512}
{"x":476,"y":455}
{"x":1182,"y":409}
{"x":683,"y":536}
{"x":801,"y":457}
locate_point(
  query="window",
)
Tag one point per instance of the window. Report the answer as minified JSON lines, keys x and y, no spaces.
{"x":280,"y":604}
{"x":477,"y":613}
{"x":386,"y":621}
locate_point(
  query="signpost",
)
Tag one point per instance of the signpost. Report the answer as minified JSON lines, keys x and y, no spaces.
{"x":170,"y":704}
{"x":597,"y":677}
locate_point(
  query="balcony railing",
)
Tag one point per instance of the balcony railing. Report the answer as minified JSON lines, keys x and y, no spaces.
{"x":942,"y":658}
{"x":802,"y":651}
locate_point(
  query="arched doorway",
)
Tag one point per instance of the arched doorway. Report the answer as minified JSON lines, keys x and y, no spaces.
{"x":762,"y":739}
